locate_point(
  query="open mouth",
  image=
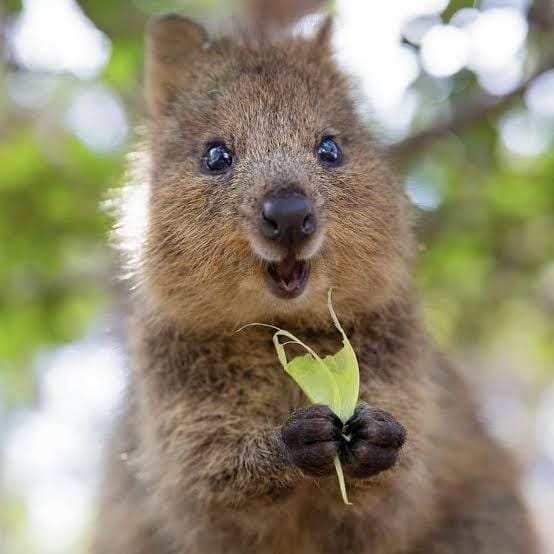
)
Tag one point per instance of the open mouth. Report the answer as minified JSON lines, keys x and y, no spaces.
{"x":288,"y":277}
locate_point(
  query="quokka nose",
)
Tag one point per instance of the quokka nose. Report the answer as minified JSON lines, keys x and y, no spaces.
{"x":287,"y":217}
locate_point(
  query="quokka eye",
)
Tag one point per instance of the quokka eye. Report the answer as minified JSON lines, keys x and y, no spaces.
{"x":217,"y":159}
{"x":328,"y":152}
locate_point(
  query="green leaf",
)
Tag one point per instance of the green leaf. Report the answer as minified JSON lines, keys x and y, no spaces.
{"x":340,"y":476}
{"x":333,"y":380}
{"x":317,"y":384}
{"x":344,"y":367}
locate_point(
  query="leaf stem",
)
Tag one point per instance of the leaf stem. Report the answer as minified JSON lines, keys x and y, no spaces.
{"x":342,"y":484}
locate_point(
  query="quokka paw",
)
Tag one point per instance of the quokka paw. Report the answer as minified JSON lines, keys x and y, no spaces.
{"x":313,"y":437}
{"x":375,"y":438}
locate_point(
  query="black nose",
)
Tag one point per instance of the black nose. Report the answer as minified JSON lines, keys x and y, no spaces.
{"x":287,"y":217}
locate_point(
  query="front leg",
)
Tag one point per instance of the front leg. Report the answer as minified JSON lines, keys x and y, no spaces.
{"x":266,"y":462}
{"x":223,"y":459}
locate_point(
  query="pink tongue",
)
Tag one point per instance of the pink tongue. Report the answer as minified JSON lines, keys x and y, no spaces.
{"x":288,"y":272}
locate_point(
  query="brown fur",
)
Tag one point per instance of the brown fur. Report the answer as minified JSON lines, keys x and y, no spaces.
{"x":198,"y":463}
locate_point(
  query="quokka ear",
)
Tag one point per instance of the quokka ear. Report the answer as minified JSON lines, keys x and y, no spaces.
{"x":323,"y":37}
{"x":172,"y":43}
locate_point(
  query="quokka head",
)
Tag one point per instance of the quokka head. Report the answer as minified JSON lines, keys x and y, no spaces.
{"x":262,"y":185}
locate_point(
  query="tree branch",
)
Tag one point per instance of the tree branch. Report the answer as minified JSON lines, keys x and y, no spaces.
{"x":479,"y":108}
{"x":541,"y":19}
{"x":541,"y":15}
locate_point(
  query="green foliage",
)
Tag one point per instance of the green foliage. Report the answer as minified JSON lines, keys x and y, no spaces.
{"x":487,"y":248}
{"x":53,"y":263}
{"x":13,"y":5}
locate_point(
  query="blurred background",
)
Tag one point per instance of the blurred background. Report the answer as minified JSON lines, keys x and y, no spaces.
{"x":462,"y":91}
